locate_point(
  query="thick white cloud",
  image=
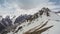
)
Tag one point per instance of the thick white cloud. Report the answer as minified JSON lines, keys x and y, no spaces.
{"x":20,"y":6}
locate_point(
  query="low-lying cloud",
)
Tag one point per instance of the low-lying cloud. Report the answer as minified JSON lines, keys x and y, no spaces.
{"x":24,"y":6}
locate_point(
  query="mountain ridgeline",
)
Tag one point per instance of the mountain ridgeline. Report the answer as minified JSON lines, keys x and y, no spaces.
{"x":6,"y":23}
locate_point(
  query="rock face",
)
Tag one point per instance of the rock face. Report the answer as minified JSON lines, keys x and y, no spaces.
{"x":42,"y":15}
{"x":1,"y":27}
{"x":22,"y":18}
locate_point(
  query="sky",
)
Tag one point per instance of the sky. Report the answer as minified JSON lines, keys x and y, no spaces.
{"x":18,"y":7}
{"x":27,"y":6}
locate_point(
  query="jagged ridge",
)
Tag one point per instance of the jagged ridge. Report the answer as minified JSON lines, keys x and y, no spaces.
{"x":29,"y":18}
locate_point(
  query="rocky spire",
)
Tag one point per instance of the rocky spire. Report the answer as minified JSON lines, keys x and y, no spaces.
{"x":44,"y":10}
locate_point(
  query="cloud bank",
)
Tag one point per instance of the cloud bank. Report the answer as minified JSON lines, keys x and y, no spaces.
{"x":25,"y":6}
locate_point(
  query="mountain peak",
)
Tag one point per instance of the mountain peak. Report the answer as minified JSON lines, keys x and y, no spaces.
{"x":45,"y":9}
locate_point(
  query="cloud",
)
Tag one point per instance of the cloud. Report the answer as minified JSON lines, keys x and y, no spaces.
{"x":21,"y":6}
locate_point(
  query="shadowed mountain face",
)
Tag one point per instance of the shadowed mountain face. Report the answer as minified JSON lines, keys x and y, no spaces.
{"x":22,"y":18}
{"x":1,"y":27}
{"x":6,"y":23}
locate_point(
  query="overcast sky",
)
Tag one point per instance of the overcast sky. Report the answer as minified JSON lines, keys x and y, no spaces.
{"x":16,"y":6}
{"x":28,"y":7}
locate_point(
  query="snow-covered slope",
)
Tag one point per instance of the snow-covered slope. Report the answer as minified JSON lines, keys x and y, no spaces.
{"x":37,"y":19}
